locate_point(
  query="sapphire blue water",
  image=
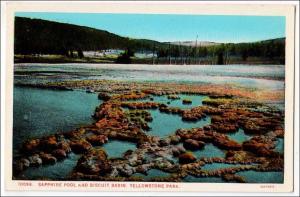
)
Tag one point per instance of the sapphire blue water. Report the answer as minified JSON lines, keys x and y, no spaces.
{"x":196,"y":100}
{"x":40,"y":112}
{"x":190,"y":178}
{"x":166,"y":124}
{"x":239,"y":136}
{"x":152,"y":173}
{"x":115,"y":148}
{"x":262,"y":177}
{"x":279,"y":147}
{"x":209,"y":150}
{"x":215,"y":166}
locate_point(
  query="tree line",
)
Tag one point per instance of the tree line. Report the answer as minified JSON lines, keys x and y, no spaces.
{"x":221,"y":53}
{"x":36,"y":36}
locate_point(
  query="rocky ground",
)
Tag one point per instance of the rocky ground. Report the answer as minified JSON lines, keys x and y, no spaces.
{"x":229,"y":109}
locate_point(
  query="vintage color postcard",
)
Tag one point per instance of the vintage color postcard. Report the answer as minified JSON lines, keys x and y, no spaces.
{"x":149,"y":96}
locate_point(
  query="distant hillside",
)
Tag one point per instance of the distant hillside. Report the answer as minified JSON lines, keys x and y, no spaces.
{"x":36,"y":36}
{"x":194,"y":43}
{"x":208,"y":43}
{"x":41,"y":36}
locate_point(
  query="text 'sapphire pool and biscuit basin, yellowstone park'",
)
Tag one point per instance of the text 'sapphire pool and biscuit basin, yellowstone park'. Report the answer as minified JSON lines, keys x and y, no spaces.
{"x":151,"y":101}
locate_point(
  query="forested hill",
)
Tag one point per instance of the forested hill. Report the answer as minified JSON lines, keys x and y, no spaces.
{"x":36,"y":36}
{"x":42,"y":36}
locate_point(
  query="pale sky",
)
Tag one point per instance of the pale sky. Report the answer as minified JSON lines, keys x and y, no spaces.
{"x":167,"y":27}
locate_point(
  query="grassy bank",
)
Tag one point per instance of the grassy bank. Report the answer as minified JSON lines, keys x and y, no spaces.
{"x":112,"y":59}
{"x":58,"y":59}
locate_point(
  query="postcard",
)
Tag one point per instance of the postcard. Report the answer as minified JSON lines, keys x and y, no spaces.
{"x":149,"y":96}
